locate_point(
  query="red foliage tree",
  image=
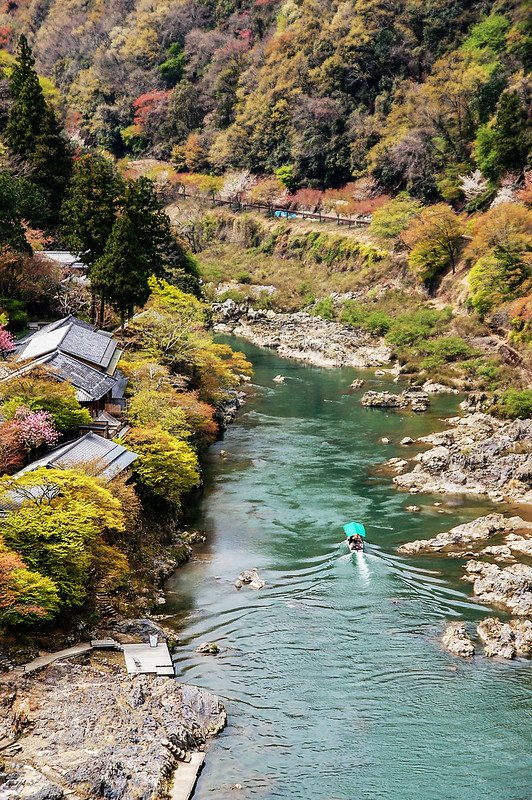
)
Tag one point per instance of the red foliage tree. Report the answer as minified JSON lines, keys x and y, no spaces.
{"x":11,"y":449}
{"x":148,"y":105}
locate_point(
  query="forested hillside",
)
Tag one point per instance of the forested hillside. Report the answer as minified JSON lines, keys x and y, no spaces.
{"x":413,"y":93}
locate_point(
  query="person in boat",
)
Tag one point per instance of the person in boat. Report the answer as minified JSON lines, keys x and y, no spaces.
{"x":355,"y":542}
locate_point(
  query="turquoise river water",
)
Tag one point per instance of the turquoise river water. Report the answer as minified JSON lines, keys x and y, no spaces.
{"x":332,"y":675}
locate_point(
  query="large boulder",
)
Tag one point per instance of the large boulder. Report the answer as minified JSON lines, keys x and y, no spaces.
{"x":506,"y":639}
{"x":381,"y":400}
{"x":457,"y":641}
{"x":509,"y":587}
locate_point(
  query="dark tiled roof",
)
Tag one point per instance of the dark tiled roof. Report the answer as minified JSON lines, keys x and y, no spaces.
{"x":107,"y":457}
{"x":90,"y":384}
{"x":74,"y":337}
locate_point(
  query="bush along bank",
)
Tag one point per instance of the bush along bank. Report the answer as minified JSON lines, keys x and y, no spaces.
{"x":96,"y":551}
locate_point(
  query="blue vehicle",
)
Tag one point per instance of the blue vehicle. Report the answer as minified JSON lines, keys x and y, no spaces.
{"x":285,"y":214}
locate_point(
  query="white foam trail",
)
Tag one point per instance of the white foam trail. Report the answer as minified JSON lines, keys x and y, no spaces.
{"x":362,"y":566}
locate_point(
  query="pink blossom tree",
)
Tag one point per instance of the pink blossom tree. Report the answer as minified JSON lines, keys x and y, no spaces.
{"x":7,"y":342}
{"x":35,"y":428}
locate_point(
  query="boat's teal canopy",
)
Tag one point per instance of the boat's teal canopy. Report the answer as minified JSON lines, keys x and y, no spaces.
{"x":352,"y":528}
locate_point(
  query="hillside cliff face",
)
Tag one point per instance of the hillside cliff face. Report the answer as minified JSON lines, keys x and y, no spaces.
{"x":405,"y":91}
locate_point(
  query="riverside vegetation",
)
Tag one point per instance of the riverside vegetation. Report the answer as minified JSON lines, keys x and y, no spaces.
{"x":73,"y":546}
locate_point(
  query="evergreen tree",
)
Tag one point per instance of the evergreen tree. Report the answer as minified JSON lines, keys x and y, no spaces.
{"x":141,"y":244}
{"x":11,"y":228}
{"x":51,"y":160}
{"x":29,"y":106}
{"x":165,"y":253}
{"x":120,"y":277}
{"x":503,"y":145}
{"x":89,"y":209}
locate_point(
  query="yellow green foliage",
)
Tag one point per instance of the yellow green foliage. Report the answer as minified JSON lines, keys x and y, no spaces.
{"x":59,"y":528}
{"x":26,"y":597}
{"x":433,"y":237}
{"x":167,"y":467}
{"x":501,"y":253}
{"x":40,"y":391}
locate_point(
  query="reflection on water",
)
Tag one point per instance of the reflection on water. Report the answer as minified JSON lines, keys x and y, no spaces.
{"x":332,"y":675}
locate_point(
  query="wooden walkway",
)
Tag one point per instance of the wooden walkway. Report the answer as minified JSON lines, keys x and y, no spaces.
{"x":49,"y":658}
{"x":185,"y":777}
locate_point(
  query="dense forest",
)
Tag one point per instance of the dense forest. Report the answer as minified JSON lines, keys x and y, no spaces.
{"x":413,"y":94}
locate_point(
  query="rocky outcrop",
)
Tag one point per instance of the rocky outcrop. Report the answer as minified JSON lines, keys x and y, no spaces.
{"x":381,"y":400}
{"x":506,"y":639}
{"x":413,"y":397}
{"x":92,"y":731}
{"x":438,"y":388}
{"x":227,"y":411}
{"x":477,"y":455}
{"x":302,"y":336}
{"x":479,"y":529}
{"x":457,"y":641}
{"x":509,"y":588}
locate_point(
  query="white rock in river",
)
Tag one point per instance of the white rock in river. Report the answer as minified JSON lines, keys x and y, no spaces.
{"x":407,"y":440}
{"x":457,"y":641}
{"x":279,"y":379}
{"x":506,"y":639}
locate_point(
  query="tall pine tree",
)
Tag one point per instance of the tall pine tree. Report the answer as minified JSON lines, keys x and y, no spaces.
{"x":139,"y":246}
{"x":51,"y":160}
{"x":89,"y":210}
{"x":29,"y":106}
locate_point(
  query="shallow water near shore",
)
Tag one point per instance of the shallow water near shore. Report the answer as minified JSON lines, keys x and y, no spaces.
{"x":332,"y":675}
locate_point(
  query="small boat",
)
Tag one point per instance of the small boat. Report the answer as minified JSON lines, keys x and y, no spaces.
{"x":355,"y":545}
{"x":355,"y":533}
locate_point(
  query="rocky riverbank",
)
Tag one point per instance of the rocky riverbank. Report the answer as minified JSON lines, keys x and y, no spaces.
{"x":478,"y":454}
{"x":507,"y":587}
{"x":302,"y":336}
{"x":89,"y":730}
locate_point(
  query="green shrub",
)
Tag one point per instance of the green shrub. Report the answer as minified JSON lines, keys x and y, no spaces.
{"x":324,"y":308}
{"x":16,"y":311}
{"x":444,"y":349}
{"x":515,"y":404}
{"x":243,"y":277}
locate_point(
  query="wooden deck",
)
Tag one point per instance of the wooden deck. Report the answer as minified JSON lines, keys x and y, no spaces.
{"x":185,"y":777}
{"x":142,"y":659}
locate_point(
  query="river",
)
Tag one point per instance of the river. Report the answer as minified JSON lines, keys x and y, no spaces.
{"x":332,"y":675}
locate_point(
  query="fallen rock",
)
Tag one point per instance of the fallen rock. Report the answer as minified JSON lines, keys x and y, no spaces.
{"x":457,"y":641}
{"x":413,"y":508}
{"x":381,"y":400}
{"x":397,"y":465}
{"x":300,"y":335}
{"x":406,"y":440}
{"x":478,"y":455}
{"x":385,"y":440}
{"x":358,"y":383}
{"x":413,"y":397}
{"x":438,"y":388}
